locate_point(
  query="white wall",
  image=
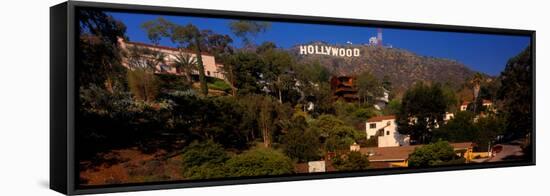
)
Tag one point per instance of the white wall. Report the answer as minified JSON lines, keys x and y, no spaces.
{"x":24,"y":98}
{"x":386,"y":140}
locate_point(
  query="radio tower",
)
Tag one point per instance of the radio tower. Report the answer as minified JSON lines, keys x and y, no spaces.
{"x":379,"y":37}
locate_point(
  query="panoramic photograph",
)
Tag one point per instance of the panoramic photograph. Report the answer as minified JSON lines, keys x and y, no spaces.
{"x":165,"y":98}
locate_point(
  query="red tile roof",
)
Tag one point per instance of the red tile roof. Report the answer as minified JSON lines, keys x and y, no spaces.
{"x":380,"y":118}
{"x":164,"y":47}
{"x":487,"y":101}
{"x":401,"y":153}
{"x":301,"y":168}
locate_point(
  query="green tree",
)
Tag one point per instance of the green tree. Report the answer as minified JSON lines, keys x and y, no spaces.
{"x":516,"y":94}
{"x":156,"y":29}
{"x":459,"y":129}
{"x":99,"y":52}
{"x":334,"y":132}
{"x":393,"y":107}
{"x":438,"y":153}
{"x":247,"y":69}
{"x":301,"y":143}
{"x":422,"y":108}
{"x":475,"y":83}
{"x":259,"y":162}
{"x":189,"y":37}
{"x":142,"y":81}
{"x":266,"y":119}
{"x":277,"y":75}
{"x":185,"y":64}
{"x":353,"y":161}
{"x":488,"y":128}
{"x":247,"y":29}
{"x":143,"y":85}
{"x":204,"y":160}
{"x":368,"y":86}
{"x":199,"y":153}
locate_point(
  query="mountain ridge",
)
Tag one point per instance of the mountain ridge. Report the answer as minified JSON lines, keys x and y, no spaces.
{"x":402,"y":67}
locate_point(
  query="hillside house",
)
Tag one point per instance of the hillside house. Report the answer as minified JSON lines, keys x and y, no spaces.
{"x":381,"y":102}
{"x":385,"y":129}
{"x":343,"y":87}
{"x":398,"y":156}
{"x":211,"y":68}
{"x":464,"y":105}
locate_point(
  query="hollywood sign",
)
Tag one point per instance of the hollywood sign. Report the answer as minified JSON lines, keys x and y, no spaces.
{"x":329,"y":50}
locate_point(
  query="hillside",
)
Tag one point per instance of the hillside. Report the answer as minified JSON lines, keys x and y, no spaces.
{"x":402,"y":67}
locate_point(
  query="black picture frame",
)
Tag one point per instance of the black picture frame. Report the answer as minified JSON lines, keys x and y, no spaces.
{"x":63,"y":94}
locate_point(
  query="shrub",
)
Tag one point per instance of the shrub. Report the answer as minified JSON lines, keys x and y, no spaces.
{"x":143,"y":85}
{"x":354,"y":161}
{"x":219,"y":85}
{"x":259,"y":162}
{"x":204,"y":160}
{"x":439,"y":153}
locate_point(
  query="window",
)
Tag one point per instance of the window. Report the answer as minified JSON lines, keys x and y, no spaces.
{"x":373,"y":125}
{"x":387,"y":132}
{"x":208,"y":73}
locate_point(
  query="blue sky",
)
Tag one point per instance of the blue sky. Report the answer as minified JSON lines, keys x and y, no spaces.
{"x":481,"y":52}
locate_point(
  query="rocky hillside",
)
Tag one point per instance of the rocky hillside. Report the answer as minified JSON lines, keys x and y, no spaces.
{"x":401,"y":66}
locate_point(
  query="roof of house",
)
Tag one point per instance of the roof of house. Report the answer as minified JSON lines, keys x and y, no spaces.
{"x":465,"y":103}
{"x":462,"y":145}
{"x":164,"y":47}
{"x":380,"y":118}
{"x":401,"y":153}
{"x":398,"y":153}
{"x":487,"y":101}
{"x":301,"y":168}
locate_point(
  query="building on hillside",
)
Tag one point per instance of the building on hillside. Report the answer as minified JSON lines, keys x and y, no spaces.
{"x":448,"y":116}
{"x":464,"y":105}
{"x":488,"y":104}
{"x":314,"y":167}
{"x":398,"y":156}
{"x":211,"y":68}
{"x":381,"y":102}
{"x":343,"y":88}
{"x":385,"y":129}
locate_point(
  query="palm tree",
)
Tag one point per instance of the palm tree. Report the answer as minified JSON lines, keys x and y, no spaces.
{"x":476,"y":85}
{"x":187,"y":64}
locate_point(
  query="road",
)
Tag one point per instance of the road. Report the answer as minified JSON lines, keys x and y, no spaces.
{"x":509,"y":152}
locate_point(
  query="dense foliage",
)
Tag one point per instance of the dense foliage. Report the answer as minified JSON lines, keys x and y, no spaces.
{"x":516,"y":93}
{"x":260,"y":162}
{"x":438,"y":153}
{"x":354,"y":161}
{"x":423,"y":108}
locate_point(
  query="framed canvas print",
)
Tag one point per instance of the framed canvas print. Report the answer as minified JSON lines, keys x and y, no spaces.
{"x":147,"y":97}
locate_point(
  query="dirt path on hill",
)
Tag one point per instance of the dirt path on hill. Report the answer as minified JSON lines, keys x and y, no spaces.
{"x":130,"y":166}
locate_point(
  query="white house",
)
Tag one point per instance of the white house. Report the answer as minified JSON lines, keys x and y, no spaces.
{"x":464,"y":105}
{"x":316,"y":166}
{"x":385,"y":128}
